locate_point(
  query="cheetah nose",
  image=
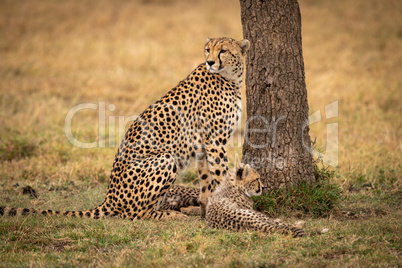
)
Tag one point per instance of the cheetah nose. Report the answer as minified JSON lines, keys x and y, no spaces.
{"x":211,"y":62}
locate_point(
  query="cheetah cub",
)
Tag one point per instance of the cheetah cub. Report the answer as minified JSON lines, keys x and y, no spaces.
{"x":231,"y":207}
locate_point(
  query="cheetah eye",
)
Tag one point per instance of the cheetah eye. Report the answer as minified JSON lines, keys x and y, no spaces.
{"x":207,"y":50}
{"x":224,"y":51}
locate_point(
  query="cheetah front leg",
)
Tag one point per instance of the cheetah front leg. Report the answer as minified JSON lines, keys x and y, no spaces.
{"x":212,"y":168}
{"x":206,"y":183}
{"x":257,"y":221}
{"x":224,"y":215}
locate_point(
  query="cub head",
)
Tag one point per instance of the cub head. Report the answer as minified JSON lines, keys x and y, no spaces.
{"x":224,"y":56}
{"x":248,"y":180}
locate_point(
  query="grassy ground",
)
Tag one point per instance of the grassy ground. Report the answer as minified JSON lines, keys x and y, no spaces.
{"x":55,"y":55}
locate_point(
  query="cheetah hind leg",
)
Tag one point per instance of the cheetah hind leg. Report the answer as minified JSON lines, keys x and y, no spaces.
{"x":247,"y":219}
{"x":165,"y":166}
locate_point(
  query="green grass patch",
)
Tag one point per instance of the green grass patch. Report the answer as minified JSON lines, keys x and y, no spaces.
{"x":316,"y":200}
{"x":189,"y":176}
{"x":60,"y":241}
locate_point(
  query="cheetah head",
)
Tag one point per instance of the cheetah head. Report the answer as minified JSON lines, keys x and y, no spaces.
{"x":248,"y":180}
{"x":224,"y":56}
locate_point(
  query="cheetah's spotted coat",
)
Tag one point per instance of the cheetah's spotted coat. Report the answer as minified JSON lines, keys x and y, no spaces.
{"x":194,"y":120}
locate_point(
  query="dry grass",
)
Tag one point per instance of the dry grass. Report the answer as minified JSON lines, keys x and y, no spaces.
{"x":353,"y":54}
{"x":57,"y":54}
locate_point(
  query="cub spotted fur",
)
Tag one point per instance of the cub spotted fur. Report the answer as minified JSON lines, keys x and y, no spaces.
{"x":231,"y":207}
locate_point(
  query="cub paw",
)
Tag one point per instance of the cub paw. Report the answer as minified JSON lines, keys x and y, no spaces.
{"x":191,"y":210}
{"x":300,"y":224}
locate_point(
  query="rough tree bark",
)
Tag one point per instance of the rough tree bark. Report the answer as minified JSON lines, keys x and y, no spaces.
{"x":277,"y":142}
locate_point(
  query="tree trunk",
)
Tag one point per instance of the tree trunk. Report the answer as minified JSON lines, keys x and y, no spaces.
{"x":276,"y":142}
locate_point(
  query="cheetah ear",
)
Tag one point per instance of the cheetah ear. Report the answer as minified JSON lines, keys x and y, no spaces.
{"x":208,"y":39}
{"x":239,"y":171}
{"x":244,"y":45}
{"x":247,"y":169}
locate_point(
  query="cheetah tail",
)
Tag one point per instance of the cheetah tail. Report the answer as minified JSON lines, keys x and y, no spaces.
{"x":96,"y":213}
{"x":297,"y":232}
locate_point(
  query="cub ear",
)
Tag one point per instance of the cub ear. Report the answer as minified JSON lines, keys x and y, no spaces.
{"x":244,"y":45}
{"x":239,"y":171}
{"x":247,"y":169}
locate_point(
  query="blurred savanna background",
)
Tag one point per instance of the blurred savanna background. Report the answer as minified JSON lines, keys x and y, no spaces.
{"x":123,"y":56}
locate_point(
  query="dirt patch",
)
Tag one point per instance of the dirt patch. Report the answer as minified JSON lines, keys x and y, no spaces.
{"x":396,"y":252}
{"x":334,"y":255}
{"x":28,"y":190}
{"x":363,"y":213}
{"x":56,"y":246}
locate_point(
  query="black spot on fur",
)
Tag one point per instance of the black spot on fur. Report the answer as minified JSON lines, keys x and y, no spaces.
{"x":25,"y":212}
{"x":12,"y":212}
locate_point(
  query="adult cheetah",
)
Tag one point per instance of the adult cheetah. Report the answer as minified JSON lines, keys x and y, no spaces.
{"x":194,"y":120}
